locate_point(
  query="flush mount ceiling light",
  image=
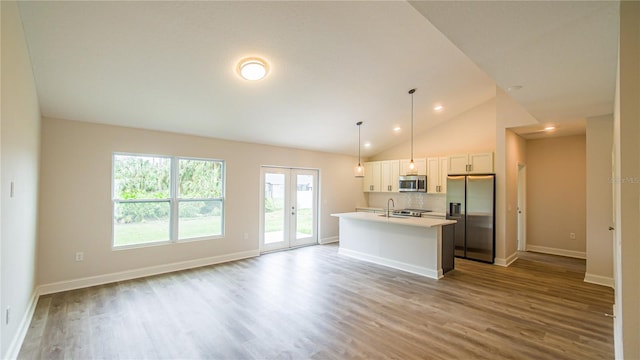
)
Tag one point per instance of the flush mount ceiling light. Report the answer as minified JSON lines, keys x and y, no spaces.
{"x":514,"y":88}
{"x":438,"y":107}
{"x":549,"y":128}
{"x":397,"y":129}
{"x":253,"y":68}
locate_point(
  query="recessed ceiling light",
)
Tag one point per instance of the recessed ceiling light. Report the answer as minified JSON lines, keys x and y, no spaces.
{"x":549,"y":128}
{"x":397,"y":129}
{"x":367,"y":144}
{"x":514,"y":88}
{"x":438,"y":107}
{"x":253,"y":68}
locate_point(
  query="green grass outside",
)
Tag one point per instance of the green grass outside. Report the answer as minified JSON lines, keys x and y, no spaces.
{"x":273,"y":221}
{"x":156,"y":231}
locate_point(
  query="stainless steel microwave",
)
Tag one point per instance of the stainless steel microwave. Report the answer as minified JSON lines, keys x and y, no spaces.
{"x":413,"y":183}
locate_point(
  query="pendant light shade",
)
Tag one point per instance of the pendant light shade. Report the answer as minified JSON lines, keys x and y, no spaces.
{"x":412,"y":166}
{"x":359,"y":170}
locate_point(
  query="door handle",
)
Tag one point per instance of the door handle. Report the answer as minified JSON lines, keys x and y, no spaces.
{"x":293,"y":213}
{"x":611,"y":228}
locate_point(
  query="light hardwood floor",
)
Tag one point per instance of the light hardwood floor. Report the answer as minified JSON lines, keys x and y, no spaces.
{"x":313,"y":303}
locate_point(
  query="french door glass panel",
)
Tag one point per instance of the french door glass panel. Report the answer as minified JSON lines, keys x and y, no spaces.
{"x":289,"y":215}
{"x":274,"y":207}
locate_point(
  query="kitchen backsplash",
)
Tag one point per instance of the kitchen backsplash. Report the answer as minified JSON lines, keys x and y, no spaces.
{"x":433,"y":202}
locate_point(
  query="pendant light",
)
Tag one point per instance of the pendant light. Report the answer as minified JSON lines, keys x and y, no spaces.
{"x":359,"y":170}
{"x":412,"y":166}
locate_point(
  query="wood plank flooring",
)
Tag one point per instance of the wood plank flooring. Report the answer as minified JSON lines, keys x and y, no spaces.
{"x":312,"y":303}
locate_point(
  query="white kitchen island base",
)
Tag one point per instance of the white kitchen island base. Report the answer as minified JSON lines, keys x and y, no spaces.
{"x":409,"y":244}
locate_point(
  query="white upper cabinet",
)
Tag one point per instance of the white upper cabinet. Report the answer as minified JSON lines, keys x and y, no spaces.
{"x":389,"y":172}
{"x":458,"y":164}
{"x":371,"y":181}
{"x":381,"y":176}
{"x":437,"y":168}
{"x":476,"y":163}
{"x":421,"y":165}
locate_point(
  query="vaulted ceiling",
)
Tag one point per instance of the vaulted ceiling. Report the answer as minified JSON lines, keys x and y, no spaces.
{"x":171,"y":65}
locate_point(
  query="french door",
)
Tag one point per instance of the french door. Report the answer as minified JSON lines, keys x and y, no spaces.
{"x":289,"y":215}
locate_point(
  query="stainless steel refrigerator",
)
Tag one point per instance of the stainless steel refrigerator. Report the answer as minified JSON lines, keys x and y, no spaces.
{"x":471,"y":201}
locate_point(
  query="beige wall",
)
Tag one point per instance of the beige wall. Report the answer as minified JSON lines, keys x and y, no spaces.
{"x":19,"y":151}
{"x":75,"y":211}
{"x":471,"y":131}
{"x":627,"y":189}
{"x":599,"y":201}
{"x":556,"y":195}
{"x":509,"y":151}
{"x":516,"y":155}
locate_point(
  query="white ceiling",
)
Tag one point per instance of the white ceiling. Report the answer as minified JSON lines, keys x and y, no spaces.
{"x":562,"y":53}
{"x":171,"y":65}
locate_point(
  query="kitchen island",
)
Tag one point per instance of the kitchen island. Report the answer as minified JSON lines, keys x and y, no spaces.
{"x":405,"y":243}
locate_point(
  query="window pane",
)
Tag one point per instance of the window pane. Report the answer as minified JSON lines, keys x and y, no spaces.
{"x":140,"y":223}
{"x":200,"y":179}
{"x":274,"y":211}
{"x":304,"y":196}
{"x":141,"y":177}
{"x":199,"y":219}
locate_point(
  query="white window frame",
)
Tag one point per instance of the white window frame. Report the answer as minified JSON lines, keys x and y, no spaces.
{"x":175,"y":206}
{"x":173,"y":200}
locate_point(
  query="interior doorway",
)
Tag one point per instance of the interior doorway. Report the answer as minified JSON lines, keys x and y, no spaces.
{"x":289,"y":208}
{"x":522,"y":207}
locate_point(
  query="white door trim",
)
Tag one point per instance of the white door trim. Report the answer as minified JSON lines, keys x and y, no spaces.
{"x":521,"y":210}
{"x":290,"y":214}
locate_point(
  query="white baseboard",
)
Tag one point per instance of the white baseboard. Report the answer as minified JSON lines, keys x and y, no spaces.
{"x":599,"y":280}
{"x":554,"y":251}
{"x":430,"y":273}
{"x":329,"y":240}
{"x":25,"y":322}
{"x":506,"y":261}
{"x":142,"y":272}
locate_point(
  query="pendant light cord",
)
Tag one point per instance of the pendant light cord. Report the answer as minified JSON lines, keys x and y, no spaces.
{"x":411,"y":92}
{"x":411,"y":127}
{"x":359,"y":123}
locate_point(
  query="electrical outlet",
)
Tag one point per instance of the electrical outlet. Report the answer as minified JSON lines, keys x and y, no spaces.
{"x":79,"y":256}
{"x":7,"y":315}
{"x":572,"y":236}
{"x":246,"y":236}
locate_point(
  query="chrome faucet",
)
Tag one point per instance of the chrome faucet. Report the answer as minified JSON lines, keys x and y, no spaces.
{"x":388,"y":209}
